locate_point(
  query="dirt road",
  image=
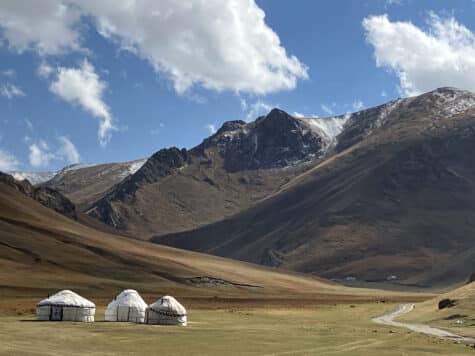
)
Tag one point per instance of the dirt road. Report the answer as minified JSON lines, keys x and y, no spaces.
{"x":388,"y":319}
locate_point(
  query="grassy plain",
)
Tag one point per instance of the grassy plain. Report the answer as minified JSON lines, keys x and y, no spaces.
{"x":343,"y":329}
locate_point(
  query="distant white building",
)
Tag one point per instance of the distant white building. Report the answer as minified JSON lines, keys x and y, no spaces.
{"x":66,"y":306}
{"x":128,"y":306}
{"x":166,"y":311}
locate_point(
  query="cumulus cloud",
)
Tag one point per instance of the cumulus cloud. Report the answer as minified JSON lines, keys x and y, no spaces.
{"x":67,"y":151}
{"x":444,"y":55}
{"x":209,"y":43}
{"x":255,"y":109}
{"x":44,"y":70}
{"x":84,"y":87}
{"x":10,"y":91}
{"x":8,"y":162}
{"x":40,"y":154}
{"x":49,"y":29}
{"x":234,"y":50}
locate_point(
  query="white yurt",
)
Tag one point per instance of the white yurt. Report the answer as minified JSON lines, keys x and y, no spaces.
{"x":127,"y":306}
{"x":66,"y":306}
{"x":166,"y":311}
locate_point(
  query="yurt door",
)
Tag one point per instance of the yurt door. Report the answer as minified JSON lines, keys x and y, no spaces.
{"x":56,"y":314}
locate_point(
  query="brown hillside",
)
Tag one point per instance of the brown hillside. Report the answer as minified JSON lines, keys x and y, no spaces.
{"x":397,"y":199}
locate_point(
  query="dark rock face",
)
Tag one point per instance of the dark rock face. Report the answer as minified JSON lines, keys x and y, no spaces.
{"x":471,"y":279}
{"x":48,"y":197}
{"x":162,"y":163}
{"x":275,"y":140}
{"x":158,"y":166}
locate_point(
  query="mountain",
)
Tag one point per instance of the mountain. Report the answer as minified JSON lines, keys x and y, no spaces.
{"x":395,"y":199}
{"x":82,"y":183}
{"x":242,"y":163}
{"x":42,"y":252}
{"x":43,"y":195}
{"x":33,"y":177}
{"x":85,"y":183}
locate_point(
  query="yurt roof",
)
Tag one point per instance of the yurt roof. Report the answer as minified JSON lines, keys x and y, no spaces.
{"x":67,"y":298}
{"x":168,"y":304}
{"x":131,"y":298}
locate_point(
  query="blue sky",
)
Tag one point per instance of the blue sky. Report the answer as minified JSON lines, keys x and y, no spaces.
{"x":88,"y":82}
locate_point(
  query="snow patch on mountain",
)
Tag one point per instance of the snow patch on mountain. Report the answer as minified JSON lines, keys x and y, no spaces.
{"x":451,"y":101}
{"x":386,"y":110}
{"x":132,"y":167}
{"x":327,"y":127}
{"x":33,"y":177}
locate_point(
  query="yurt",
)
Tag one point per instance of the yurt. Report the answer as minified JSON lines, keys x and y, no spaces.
{"x":166,"y":311}
{"x":127,"y":306}
{"x":66,"y":306}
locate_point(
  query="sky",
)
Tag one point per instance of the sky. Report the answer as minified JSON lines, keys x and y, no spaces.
{"x":109,"y":81}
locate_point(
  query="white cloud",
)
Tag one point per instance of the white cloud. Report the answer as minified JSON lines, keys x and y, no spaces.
{"x":298,"y":115}
{"x":257,"y":109}
{"x":8,"y":162}
{"x":357,"y":105}
{"x":444,"y":55}
{"x":40,"y":154}
{"x":84,"y":87}
{"x":10,"y":91}
{"x":211,"y":128}
{"x":236,"y":50}
{"x":328,"y":109}
{"x":213,"y":44}
{"x":68,"y":151}
{"x":48,"y":29}
{"x":44,"y":70}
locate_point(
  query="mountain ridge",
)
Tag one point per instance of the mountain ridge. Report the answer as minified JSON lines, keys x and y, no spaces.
{"x":392,"y":176}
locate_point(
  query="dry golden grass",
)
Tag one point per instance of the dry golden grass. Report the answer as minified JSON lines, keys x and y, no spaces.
{"x":320,"y":330}
{"x":459,"y":319}
{"x":284,"y":313}
{"x":41,"y":252}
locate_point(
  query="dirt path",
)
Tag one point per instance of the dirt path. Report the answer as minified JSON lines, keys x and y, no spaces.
{"x":388,"y":319}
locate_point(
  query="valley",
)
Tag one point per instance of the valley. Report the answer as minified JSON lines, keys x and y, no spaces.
{"x":282,"y":228}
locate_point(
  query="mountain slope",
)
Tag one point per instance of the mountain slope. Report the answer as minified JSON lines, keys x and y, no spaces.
{"x":43,"y":195}
{"x":241,"y":164}
{"x":85,"y":183}
{"x":33,"y":177}
{"x":396,"y":199}
{"x":42,"y":251}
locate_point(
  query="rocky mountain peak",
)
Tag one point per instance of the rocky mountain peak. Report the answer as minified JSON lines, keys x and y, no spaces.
{"x":274,"y":140}
{"x":229,"y":126}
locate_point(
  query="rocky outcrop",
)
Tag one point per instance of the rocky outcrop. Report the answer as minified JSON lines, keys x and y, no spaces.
{"x":43,"y":195}
{"x":161,"y":164}
{"x":272,"y":141}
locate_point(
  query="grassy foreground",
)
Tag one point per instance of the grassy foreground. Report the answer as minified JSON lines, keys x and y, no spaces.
{"x":324,"y":330}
